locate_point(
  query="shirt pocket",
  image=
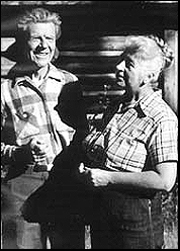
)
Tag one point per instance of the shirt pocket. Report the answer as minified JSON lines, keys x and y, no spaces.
{"x":128,"y":153}
{"x":26,"y":125}
{"x":136,"y":153}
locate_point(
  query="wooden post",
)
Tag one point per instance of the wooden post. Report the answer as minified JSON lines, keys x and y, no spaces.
{"x":170,"y":92}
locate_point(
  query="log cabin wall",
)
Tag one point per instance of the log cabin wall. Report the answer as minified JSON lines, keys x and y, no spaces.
{"x":93,"y":33}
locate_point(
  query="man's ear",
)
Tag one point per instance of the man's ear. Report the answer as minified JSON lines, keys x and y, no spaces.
{"x":56,"y":55}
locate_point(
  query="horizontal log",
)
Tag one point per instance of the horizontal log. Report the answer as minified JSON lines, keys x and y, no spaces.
{"x":91,"y":43}
{"x":90,"y":53}
{"x":86,"y":59}
{"x":96,"y":68}
{"x":6,"y":42}
{"x":18,"y":3}
{"x":97,"y":79}
{"x":6,"y":65}
{"x":102,"y":93}
{"x":97,"y":76}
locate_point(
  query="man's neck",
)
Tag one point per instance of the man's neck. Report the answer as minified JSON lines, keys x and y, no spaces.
{"x":41,"y":73}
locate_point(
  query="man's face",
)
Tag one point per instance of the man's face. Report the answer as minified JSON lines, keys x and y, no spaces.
{"x":41,"y":43}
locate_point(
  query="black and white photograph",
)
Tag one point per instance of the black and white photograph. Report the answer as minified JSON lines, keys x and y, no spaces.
{"x":89,"y":124}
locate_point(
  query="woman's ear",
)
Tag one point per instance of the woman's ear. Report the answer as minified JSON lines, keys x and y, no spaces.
{"x":146,"y":80}
{"x":151,"y":77}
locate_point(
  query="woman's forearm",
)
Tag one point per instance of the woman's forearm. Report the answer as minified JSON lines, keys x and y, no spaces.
{"x":148,"y":180}
{"x":163,"y":178}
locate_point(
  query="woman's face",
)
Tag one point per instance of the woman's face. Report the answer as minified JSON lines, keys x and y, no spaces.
{"x":130,"y":75}
{"x":41,"y":43}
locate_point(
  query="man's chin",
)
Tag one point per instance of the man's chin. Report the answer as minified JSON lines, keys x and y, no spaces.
{"x":41,"y":64}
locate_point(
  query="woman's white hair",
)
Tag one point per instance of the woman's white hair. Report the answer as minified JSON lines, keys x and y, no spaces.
{"x":152,"y":51}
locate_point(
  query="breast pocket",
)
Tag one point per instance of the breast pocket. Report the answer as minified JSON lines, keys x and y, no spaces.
{"x":26,"y":125}
{"x":128,"y":153}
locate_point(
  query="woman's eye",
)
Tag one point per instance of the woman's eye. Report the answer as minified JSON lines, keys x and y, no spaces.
{"x":34,"y":39}
{"x":50,"y":38}
{"x":128,"y":64}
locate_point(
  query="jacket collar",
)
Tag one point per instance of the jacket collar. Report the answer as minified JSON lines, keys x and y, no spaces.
{"x":53,"y":73}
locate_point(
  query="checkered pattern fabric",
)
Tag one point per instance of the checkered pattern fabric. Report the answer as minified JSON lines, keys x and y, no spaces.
{"x":28,"y":111}
{"x":147,"y":129}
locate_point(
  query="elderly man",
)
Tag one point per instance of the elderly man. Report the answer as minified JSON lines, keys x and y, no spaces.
{"x":32,"y":132}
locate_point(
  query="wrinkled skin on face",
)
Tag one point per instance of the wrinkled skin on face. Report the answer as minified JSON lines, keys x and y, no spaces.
{"x":130,"y":75}
{"x":41,"y":43}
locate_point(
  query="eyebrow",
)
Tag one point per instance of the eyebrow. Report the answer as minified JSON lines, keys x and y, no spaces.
{"x":124,"y":56}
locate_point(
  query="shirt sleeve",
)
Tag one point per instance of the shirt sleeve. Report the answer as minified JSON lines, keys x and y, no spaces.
{"x":6,"y":149}
{"x":164,"y":146}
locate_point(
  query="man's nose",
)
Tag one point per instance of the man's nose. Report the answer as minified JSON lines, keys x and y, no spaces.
{"x":43,"y":43}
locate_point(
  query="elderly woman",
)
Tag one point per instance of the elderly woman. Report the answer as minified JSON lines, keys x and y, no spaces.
{"x":139,"y":158}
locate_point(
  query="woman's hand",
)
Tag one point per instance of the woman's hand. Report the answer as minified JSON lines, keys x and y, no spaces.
{"x":94,"y":177}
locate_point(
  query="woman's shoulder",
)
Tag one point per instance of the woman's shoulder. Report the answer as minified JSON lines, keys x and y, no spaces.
{"x":161,"y":110}
{"x":157,"y":109}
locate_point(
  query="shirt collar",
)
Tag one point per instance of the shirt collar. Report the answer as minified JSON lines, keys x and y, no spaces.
{"x":53,"y":73}
{"x":146,"y":103}
{"x":143,"y":104}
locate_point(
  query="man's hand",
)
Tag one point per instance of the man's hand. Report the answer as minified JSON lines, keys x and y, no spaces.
{"x":36,"y":151}
{"x":22,"y":154}
{"x":40,"y":151}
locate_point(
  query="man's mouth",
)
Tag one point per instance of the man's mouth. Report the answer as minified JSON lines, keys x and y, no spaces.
{"x":42,"y":54}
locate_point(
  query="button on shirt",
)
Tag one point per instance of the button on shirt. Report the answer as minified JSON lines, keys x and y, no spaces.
{"x":148,"y":129}
{"x":27,"y":110}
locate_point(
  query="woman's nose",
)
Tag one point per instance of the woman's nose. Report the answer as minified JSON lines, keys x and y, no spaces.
{"x":121,"y":66}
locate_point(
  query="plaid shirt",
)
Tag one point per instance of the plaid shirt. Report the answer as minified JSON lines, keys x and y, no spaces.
{"x":28,"y":111}
{"x":148,"y":130}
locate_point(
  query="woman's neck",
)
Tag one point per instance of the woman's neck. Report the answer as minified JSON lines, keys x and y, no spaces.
{"x":143,"y":91}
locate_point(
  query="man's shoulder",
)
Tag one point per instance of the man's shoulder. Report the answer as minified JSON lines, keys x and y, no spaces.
{"x":6,"y":82}
{"x":67,"y":76}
